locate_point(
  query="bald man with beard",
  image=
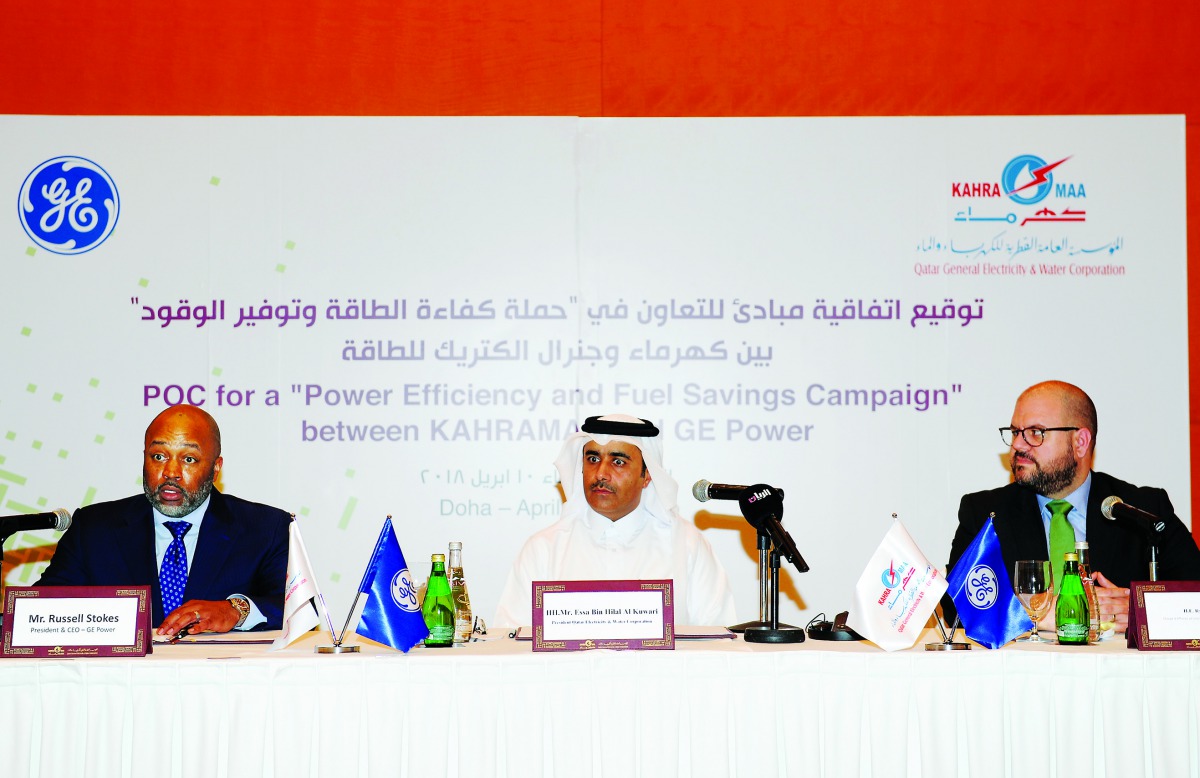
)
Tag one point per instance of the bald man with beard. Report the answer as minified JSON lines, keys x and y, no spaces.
{"x":236,"y":551}
{"x":1053,"y":443}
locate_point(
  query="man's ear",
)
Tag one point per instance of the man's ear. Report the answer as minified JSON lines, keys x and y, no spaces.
{"x":1083,"y":442}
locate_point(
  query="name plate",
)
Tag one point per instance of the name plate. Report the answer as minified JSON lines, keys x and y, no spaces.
{"x":74,"y":621}
{"x":1164,"y":616}
{"x":583,"y":615}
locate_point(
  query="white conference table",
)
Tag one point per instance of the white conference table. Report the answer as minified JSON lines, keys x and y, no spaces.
{"x":496,"y":708}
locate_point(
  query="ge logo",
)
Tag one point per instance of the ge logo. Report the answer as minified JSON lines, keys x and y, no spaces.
{"x":68,"y":205}
{"x":404,"y":594}
{"x":981,"y":586}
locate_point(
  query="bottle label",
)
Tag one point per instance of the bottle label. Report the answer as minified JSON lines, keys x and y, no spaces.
{"x":1073,"y":633}
{"x":440,"y":635}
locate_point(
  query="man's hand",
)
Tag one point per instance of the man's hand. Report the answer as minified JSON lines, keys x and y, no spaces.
{"x":1114,"y":603}
{"x":200,"y":616}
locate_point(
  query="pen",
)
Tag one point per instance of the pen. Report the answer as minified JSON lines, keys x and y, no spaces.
{"x":184,"y":632}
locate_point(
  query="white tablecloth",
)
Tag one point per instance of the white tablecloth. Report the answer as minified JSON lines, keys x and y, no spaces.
{"x":495,"y":708}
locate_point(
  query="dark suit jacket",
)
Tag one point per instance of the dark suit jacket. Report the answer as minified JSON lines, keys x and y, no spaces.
{"x":242,"y":549}
{"x":1117,"y":550}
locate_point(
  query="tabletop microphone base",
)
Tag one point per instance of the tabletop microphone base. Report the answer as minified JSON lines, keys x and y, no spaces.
{"x":781,"y":634}
{"x":745,"y":625}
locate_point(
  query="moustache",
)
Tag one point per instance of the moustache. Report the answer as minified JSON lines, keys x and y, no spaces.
{"x":172,"y":485}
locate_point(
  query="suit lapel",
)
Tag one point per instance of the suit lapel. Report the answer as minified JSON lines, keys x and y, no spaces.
{"x":136,"y":551}
{"x":1106,"y":539}
{"x":137,"y":546}
{"x":218,"y":535}
{"x":1021,"y":530}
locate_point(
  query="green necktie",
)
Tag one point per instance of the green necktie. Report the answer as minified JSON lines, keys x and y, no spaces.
{"x":1062,"y":536}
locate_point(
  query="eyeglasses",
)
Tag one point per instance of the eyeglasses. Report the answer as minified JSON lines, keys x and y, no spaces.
{"x":1034,"y":436}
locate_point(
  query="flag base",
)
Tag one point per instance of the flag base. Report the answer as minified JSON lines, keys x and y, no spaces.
{"x":948,"y":646}
{"x":338,"y":649}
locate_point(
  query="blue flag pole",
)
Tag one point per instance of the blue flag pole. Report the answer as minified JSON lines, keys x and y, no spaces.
{"x":367,"y":579}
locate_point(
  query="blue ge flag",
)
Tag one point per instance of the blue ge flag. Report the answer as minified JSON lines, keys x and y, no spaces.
{"x":392,"y":615}
{"x":982,"y":592}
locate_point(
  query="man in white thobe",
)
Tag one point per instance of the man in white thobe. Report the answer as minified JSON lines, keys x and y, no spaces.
{"x":620,"y":521}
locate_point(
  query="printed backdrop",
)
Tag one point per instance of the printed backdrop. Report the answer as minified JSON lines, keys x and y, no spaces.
{"x":405,"y":316}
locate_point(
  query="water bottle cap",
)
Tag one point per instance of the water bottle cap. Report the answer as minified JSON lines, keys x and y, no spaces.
{"x":438,"y":558}
{"x":1080,"y":545}
{"x":456,"y":545}
{"x":1071,"y":557}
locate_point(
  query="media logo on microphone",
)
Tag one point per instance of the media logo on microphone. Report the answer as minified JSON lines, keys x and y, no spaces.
{"x":68,"y":205}
{"x":759,"y":495}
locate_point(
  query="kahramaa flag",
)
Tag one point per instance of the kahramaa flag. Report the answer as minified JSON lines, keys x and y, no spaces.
{"x":392,"y":614}
{"x":896,"y":593}
{"x":990,"y":612}
{"x":300,"y":592}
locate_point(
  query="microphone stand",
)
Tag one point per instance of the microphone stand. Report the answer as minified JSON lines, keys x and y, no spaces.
{"x":762,"y":506}
{"x":768,"y":593}
{"x":773,"y":631}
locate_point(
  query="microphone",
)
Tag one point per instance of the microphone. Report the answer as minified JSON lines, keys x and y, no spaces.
{"x":58,"y":519}
{"x":762,"y":506}
{"x":1114,"y":508}
{"x":704,"y":491}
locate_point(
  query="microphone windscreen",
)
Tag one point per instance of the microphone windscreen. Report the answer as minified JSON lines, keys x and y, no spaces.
{"x":700,"y":490}
{"x":1106,"y":507}
{"x":62,"y":519}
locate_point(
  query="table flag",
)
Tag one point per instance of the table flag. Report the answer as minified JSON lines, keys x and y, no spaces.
{"x":392,"y":614}
{"x":982,"y":591}
{"x":300,"y":592}
{"x":896,"y":593}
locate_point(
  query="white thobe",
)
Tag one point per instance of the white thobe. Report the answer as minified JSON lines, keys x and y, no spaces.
{"x":588,"y":546}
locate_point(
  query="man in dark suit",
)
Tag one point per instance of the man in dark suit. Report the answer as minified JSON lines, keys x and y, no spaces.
{"x":1052,"y":437}
{"x":230,"y":572}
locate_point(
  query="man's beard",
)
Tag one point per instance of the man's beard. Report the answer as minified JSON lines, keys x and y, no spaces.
{"x":1051,"y":479}
{"x":191,"y":500}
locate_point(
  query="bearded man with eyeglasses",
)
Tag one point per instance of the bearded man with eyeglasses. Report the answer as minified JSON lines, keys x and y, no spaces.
{"x":1052,"y":443}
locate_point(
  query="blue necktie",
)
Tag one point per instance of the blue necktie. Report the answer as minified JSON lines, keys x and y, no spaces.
{"x":172,"y":578}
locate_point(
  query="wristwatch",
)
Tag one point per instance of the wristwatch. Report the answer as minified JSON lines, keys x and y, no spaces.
{"x":242,"y":606}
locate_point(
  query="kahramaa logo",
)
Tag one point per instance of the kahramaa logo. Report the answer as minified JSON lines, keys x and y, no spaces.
{"x":69,"y":205}
{"x":981,"y":587}
{"x":1027,"y":179}
{"x":404,"y":594}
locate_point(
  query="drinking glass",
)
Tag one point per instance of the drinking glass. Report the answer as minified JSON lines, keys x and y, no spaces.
{"x":1033,"y":582}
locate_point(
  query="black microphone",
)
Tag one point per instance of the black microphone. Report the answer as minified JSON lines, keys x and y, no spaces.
{"x":1114,"y":507}
{"x":58,"y":519}
{"x":762,"y":506}
{"x":704,"y":491}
